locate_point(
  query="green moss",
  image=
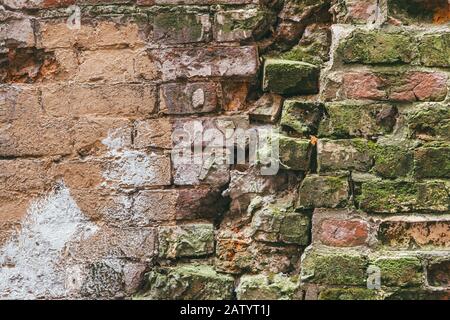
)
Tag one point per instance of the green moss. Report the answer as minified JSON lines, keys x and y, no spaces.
{"x":302,"y":117}
{"x":430,"y":121}
{"x":267,"y":287}
{"x":333,"y":268}
{"x":187,"y":282}
{"x":432,"y":161}
{"x":376,"y":47}
{"x":295,"y":153}
{"x":290,"y":77}
{"x":392,"y":161}
{"x":274,"y":224}
{"x":400,"y":271}
{"x":392,"y":196}
{"x":348,"y":294}
{"x":323,"y":192}
{"x":435,"y":50}
{"x":343,"y":120}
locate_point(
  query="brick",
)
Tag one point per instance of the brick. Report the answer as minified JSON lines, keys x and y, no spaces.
{"x":201,"y":168}
{"x":348,"y":294}
{"x":180,"y":25}
{"x":432,"y":161}
{"x":290,"y":77}
{"x":337,"y":228}
{"x":391,"y":47}
{"x":136,"y":169}
{"x":191,"y":281}
{"x":273,"y":224}
{"x":189,"y":98}
{"x":430,"y":122}
{"x":260,"y":287}
{"x":153,"y":133}
{"x":334,"y":268}
{"x":393,"y":161}
{"x":90,"y":36}
{"x":17,"y":33}
{"x":137,"y":244}
{"x":403,"y":196}
{"x":405,"y":12}
{"x":435,"y":50}
{"x":21,"y":175}
{"x":178,"y":63}
{"x":295,"y":154}
{"x":94,"y":136}
{"x":237,"y":25}
{"x":344,"y":120}
{"x":407,"y":86}
{"x":204,"y":203}
{"x":314,"y":46}
{"x":352,"y":154}
{"x":355,"y":11}
{"x":438,"y":273}
{"x":192,"y":240}
{"x":41,"y":136}
{"x":115,"y":66}
{"x":236,"y":256}
{"x":234,"y":95}
{"x":132,"y":100}
{"x":267,"y":108}
{"x":301,"y":117}
{"x":400,"y":271}
{"x":213,"y":131}
{"x":415,"y":233}
{"x":323,"y":191}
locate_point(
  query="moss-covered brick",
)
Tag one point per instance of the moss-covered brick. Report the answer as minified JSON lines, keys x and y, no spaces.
{"x":348,"y":294}
{"x":294,"y":153}
{"x":400,"y":271}
{"x":274,"y":224}
{"x":241,"y":24}
{"x":187,"y":282}
{"x":343,"y":120}
{"x":354,"y":154}
{"x":334,"y":268}
{"x":430,"y":122}
{"x":377,"y":47}
{"x":391,"y":196}
{"x":432,"y":161}
{"x":267,"y":287}
{"x":435,"y":50}
{"x":301,"y":117}
{"x":190,"y":240}
{"x":313,"y":47}
{"x":418,"y":294}
{"x":392,"y":161}
{"x":323,"y":192}
{"x":290,"y":77}
{"x":180,"y":25}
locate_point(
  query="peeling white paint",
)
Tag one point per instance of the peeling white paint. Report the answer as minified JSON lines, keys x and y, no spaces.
{"x":31,"y":262}
{"x":132,"y":168}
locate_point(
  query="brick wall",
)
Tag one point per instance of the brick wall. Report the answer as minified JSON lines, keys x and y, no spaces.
{"x":93,"y":203}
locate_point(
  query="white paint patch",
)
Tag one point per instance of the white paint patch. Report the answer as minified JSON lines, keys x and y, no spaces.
{"x":31,"y":262}
{"x":128,"y":168}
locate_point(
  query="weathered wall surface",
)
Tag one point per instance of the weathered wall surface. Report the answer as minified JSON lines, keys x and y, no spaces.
{"x":93,"y":205}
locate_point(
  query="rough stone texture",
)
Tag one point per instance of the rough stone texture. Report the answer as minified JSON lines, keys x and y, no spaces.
{"x":117,"y":140}
{"x":261,"y":287}
{"x":187,"y":282}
